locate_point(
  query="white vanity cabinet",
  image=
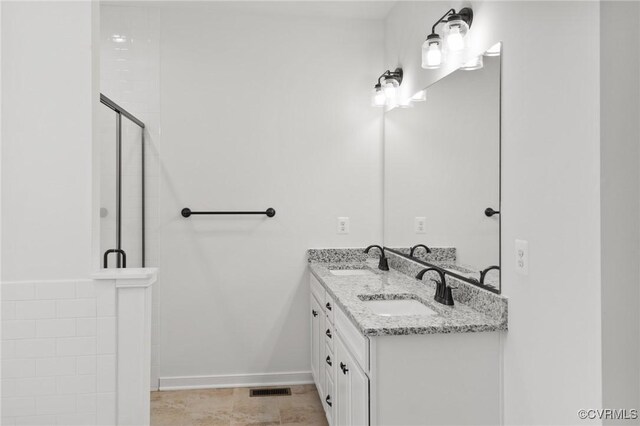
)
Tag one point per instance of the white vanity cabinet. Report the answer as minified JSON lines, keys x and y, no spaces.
{"x":408,"y":379}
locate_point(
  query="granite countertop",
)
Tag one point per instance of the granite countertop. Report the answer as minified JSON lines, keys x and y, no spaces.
{"x":348,"y":291}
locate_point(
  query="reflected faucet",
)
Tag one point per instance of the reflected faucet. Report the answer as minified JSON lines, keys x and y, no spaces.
{"x":413,"y":249}
{"x":383,"y":264}
{"x":483,"y":274}
{"x":120,"y":252}
{"x":443,"y":291}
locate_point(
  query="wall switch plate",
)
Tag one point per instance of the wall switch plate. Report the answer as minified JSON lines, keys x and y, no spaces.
{"x":420,"y":225}
{"x":343,"y":225}
{"x":522,"y":257}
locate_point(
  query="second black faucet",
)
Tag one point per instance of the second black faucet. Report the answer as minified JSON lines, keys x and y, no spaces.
{"x":383,"y":264}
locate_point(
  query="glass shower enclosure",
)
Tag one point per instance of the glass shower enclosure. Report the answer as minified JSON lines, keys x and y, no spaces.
{"x":122,"y":209}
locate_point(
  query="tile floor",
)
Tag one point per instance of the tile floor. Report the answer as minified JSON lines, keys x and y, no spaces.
{"x":233,"y":407}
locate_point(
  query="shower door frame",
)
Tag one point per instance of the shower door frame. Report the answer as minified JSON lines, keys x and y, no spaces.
{"x":119,"y":113}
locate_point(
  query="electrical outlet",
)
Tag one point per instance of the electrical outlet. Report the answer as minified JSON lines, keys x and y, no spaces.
{"x":343,"y":225}
{"x":420,"y":225}
{"x":522,"y":257}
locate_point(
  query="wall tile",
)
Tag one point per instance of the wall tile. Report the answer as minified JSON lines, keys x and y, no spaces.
{"x":59,"y":366}
{"x":8,"y":311}
{"x":19,"y":367}
{"x":77,"y":308}
{"x":18,"y":406}
{"x":106,"y":335}
{"x":85,"y":290}
{"x":20,"y":329}
{"x":56,"y":328}
{"x":35,"y":309}
{"x":86,"y":327}
{"x":34,"y":348}
{"x":106,"y":371}
{"x":34,"y":386}
{"x":76,"y":346}
{"x":86,"y":364}
{"x":55,"y":290}
{"x":77,"y":384}
{"x":17,"y":291}
{"x":106,"y":409}
{"x":56,"y":404}
{"x":35,"y":421}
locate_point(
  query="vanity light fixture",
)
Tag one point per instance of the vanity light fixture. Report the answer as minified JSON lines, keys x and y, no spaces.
{"x":385,"y":92}
{"x":456,"y":27}
{"x":473,"y":64}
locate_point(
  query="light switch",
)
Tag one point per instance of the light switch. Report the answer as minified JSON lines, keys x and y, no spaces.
{"x":343,"y":225}
{"x":420,"y":225}
{"x":522,"y":257}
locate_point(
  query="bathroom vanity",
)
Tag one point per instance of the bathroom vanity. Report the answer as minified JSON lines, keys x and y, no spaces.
{"x":384,"y":353}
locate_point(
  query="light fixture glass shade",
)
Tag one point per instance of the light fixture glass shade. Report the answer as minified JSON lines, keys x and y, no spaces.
{"x":390,"y":86}
{"x":432,"y":52}
{"x":473,"y":64}
{"x":494,"y":50}
{"x":455,"y":31}
{"x":378,"y":98}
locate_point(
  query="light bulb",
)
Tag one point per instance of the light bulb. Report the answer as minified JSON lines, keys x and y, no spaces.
{"x":378,"y":98}
{"x":455,"y":31}
{"x":473,"y":64}
{"x":432,"y":52}
{"x":390,"y":86}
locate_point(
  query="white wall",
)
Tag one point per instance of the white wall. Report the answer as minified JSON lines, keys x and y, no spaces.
{"x":259,"y":110}
{"x":620,"y":181}
{"x":551,"y":197}
{"x":50,"y":310}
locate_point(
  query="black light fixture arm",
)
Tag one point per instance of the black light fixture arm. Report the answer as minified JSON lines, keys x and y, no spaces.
{"x":466,"y":14}
{"x":395,"y":74}
{"x":449,"y":12}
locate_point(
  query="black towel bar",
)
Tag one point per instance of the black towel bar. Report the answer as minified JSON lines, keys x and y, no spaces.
{"x":186,"y":212}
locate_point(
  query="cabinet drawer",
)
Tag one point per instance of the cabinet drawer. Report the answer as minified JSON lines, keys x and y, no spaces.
{"x":317,"y":290}
{"x":357,"y":343}
{"x":329,"y":306}
{"x":329,"y":334}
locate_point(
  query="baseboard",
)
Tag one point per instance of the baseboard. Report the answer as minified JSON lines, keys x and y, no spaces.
{"x":235,"y":380}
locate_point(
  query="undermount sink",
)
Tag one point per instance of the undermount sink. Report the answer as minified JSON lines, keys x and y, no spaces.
{"x":389,"y":308}
{"x":350,"y":272}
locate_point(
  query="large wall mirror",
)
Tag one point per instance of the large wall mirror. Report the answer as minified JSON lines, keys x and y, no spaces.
{"x":442,"y":175}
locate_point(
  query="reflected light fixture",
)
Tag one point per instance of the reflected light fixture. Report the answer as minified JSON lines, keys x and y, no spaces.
{"x":420,"y":96}
{"x":385,"y":92}
{"x":117,"y":38}
{"x":494,"y":50}
{"x":456,"y":27}
{"x":473,"y":64}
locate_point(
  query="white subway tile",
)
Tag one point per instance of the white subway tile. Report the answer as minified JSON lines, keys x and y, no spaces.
{"x":106,"y":409}
{"x":56,"y":404}
{"x":18,"y":367}
{"x":106,"y":373}
{"x":34,"y":386}
{"x":75,"y":346}
{"x":76,"y":308}
{"x":35,"y":309}
{"x":86,"y":403}
{"x":18,"y":329}
{"x":86,"y":364}
{"x":106,"y":334}
{"x":55,"y":290}
{"x":17,"y":291}
{"x":18,"y":406}
{"x":81,"y":419}
{"x":8,"y":388}
{"x":8,"y":421}
{"x":8,"y":349}
{"x":35,"y":421}
{"x":35,"y":348}
{"x":86,"y":327}
{"x":75,"y":384}
{"x":85,"y":290}
{"x":59,"y":366}
{"x":8,"y":311}
{"x":106,"y":298}
{"x":56,"y":328}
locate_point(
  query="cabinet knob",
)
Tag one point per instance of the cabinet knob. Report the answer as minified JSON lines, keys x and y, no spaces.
{"x":314,"y":312}
{"x":328,"y":399}
{"x":344,"y":368}
{"x":328,"y":333}
{"x":329,"y":360}
{"x":328,"y":305}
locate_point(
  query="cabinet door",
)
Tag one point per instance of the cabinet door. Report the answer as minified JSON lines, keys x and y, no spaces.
{"x":316,"y":339}
{"x":352,"y":393}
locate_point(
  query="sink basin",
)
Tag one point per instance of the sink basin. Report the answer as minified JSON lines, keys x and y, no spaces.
{"x":350,"y":272}
{"x":389,"y":308}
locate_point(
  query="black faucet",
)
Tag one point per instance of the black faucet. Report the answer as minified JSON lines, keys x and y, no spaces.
{"x":119,"y":252}
{"x":443,"y":291}
{"x":413,"y":249}
{"x":383,"y":265}
{"x":483,"y":274}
